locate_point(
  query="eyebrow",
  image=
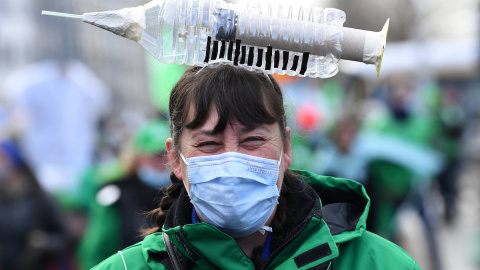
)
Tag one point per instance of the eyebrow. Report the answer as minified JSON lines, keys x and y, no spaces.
{"x":243,"y":130}
{"x":249,"y":129}
{"x":203,"y":132}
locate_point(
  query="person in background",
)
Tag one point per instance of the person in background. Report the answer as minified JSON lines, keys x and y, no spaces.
{"x":32,"y":234}
{"x":452,"y":122}
{"x":345,"y":157}
{"x":401,"y":174}
{"x":118,"y":213}
{"x":55,"y":106}
{"x":235,"y":204}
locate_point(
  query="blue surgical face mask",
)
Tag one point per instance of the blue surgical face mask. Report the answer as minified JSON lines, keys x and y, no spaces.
{"x":153,"y":177}
{"x":235,"y":192}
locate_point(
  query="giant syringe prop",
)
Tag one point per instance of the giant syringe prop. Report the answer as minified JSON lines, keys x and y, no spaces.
{"x":304,"y":41}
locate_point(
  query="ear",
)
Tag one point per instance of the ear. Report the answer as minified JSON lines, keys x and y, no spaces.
{"x":174,"y":159}
{"x":287,"y":151}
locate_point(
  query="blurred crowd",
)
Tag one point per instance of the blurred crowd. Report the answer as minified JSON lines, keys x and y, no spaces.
{"x":403,"y":140}
{"x":77,"y":182}
{"x":84,"y":118}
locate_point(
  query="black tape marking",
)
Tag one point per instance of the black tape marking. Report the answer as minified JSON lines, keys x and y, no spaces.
{"x":268,"y":58}
{"x":305,"y":57}
{"x":215,"y":50}
{"x":222,"y":49}
{"x":295,"y":63}
{"x":285,"y":60}
{"x":251,"y":54}
{"x":260,"y":58}
{"x":207,"y":50}
{"x":244,"y":55}
{"x":237,"y":51}
{"x":276,"y":60}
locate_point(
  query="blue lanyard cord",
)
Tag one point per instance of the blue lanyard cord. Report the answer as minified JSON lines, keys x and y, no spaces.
{"x":266,"y":246}
{"x":194,"y":216}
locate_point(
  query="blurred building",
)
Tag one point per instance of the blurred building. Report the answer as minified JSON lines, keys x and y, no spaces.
{"x":428,"y":38}
{"x":27,"y":36}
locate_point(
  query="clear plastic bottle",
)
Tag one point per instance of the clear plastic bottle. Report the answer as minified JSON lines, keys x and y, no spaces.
{"x":185,"y":31}
{"x":303,"y":41}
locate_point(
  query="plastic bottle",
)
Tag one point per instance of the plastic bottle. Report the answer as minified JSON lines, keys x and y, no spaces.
{"x":303,"y":41}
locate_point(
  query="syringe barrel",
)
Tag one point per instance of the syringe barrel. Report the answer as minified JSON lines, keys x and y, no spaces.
{"x":313,"y":35}
{"x":278,"y":39}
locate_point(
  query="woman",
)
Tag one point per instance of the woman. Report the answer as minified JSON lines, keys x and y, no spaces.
{"x":233,"y":202}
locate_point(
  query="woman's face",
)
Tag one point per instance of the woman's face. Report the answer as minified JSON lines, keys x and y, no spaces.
{"x":262,"y":141}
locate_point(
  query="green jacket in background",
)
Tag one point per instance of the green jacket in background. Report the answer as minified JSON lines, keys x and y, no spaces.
{"x":326,"y":234}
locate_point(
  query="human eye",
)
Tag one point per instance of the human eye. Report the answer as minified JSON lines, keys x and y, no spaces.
{"x":208,"y":146}
{"x":253,"y":141}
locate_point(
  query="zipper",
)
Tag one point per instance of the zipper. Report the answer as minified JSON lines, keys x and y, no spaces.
{"x":286,"y":243}
{"x":197,"y":251}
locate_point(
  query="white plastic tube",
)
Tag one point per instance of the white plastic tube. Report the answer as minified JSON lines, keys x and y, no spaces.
{"x":301,"y":41}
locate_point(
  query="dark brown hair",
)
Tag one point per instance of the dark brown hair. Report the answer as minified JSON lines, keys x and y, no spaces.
{"x":237,"y":94}
{"x":248,"y":97}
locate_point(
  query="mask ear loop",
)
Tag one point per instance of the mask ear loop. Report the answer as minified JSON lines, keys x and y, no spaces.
{"x":188,"y":191}
{"x":265,"y":228}
{"x":280,"y":160}
{"x":184,"y":159}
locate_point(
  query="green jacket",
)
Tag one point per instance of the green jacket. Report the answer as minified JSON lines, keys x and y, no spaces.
{"x":331,"y":236}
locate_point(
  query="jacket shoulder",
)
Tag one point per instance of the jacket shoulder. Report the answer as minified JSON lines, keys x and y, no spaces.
{"x":130,"y":258}
{"x":375,"y":252}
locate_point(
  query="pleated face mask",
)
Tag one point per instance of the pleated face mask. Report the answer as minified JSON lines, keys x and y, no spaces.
{"x":235,"y":192}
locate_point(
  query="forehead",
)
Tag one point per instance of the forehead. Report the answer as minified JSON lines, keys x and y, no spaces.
{"x":212,"y":118}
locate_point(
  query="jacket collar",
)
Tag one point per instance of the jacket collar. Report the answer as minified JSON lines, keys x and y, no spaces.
{"x":307,"y":237}
{"x":345,"y":204}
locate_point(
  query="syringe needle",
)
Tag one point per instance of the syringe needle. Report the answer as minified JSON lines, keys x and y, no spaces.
{"x":59,"y":14}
